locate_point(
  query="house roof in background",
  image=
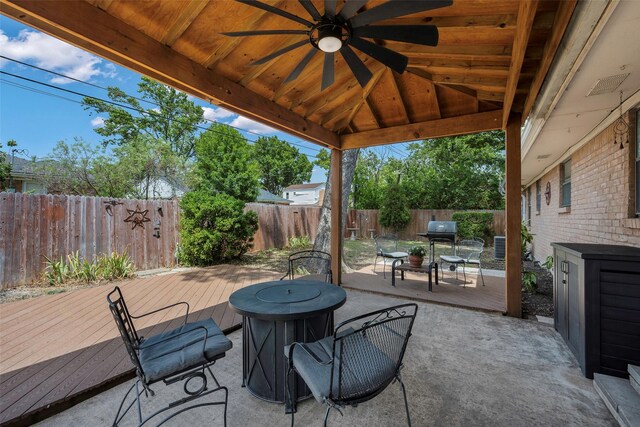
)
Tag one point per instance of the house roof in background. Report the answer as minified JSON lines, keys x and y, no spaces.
{"x":24,"y":167}
{"x":266,"y":197}
{"x":310,"y":186}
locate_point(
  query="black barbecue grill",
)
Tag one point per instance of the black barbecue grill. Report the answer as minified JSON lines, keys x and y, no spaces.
{"x":440,"y":231}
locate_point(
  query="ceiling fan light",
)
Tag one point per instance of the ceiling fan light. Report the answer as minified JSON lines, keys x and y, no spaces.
{"x":330,"y":44}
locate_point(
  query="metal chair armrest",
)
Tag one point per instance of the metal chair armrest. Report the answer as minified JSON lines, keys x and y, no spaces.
{"x":186,"y":316}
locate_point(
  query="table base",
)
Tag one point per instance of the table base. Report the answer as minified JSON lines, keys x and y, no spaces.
{"x":264,"y":367}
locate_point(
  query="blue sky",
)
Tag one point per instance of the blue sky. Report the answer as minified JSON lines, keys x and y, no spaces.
{"x":37,"y":117}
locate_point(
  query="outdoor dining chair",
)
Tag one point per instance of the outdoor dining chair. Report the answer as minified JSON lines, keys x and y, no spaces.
{"x":355,"y":364}
{"x":387,"y":248}
{"x":468,"y":252}
{"x":181,"y":354}
{"x":309,"y":262}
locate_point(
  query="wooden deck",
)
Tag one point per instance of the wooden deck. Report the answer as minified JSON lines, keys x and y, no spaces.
{"x":450,"y":291}
{"x":56,"y":348}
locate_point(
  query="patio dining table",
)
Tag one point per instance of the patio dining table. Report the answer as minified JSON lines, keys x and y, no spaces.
{"x":276,"y":314}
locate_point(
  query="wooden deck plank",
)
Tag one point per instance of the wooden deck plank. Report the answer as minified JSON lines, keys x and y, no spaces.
{"x":78,"y":344}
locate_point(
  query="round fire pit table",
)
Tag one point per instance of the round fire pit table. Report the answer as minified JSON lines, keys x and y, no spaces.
{"x":276,"y":314}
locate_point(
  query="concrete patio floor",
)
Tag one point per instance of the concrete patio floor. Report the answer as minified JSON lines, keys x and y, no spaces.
{"x":462,"y":368}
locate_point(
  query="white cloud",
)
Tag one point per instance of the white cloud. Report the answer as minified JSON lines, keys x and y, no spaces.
{"x":97,"y":122}
{"x":251,"y":126}
{"x":52,"y":54}
{"x":216,"y":114}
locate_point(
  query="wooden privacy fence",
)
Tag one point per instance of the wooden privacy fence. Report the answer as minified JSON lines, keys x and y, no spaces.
{"x":278,"y":223}
{"x":33,"y":227}
{"x":367,"y":219}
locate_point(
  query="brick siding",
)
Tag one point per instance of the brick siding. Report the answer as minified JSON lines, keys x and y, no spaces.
{"x":602,"y":196}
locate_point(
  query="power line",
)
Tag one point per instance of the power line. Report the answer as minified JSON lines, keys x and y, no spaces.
{"x":129,"y":95}
{"x":124,"y":106}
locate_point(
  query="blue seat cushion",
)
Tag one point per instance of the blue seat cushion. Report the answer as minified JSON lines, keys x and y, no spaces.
{"x":365,"y":368}
{"x":174,"y":351}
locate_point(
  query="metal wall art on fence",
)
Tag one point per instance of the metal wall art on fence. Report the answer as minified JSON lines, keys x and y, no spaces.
{"x":138,"y":217}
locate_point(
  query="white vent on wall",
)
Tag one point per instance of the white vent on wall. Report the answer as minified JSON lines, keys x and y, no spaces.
{"x":543,"y":156}
{"x":607,"y":84}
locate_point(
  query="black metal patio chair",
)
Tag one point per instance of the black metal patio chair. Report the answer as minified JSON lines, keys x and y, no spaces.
{"x":309,"y":263}
{"x":181,"y":354}
{"x":355,"y":364}
{"x":387,"y":248}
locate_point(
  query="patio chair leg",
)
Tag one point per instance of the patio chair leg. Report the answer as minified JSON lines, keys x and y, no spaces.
{"x":464,"y":271}
{"x":384,"y":266}
{"x":326,"y":416}
{"x":480,"y":268}
{"x":374,"y":263}
{"x":406,"y":404}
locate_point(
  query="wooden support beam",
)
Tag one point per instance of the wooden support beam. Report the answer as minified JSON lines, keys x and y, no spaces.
{"x":94,"y":30}
{"x":560,"y":23}
{"x":187,"y":15}
{"x":470,"y":123}
{"x":336,"y":215}
{"x":526,"y":14}
{"x":513,"y":264}
{"x":398,"y":96}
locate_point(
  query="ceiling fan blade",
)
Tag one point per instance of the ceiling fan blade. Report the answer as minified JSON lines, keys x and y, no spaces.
{"x":416,"y":34}
{"x":327,"y":71}
{"x":277,"y":11}
{"x":280,"y":52}
{"x":310,"y":7}
{"x":394,"y":9}
{"x":362,"y":73}
{"x":305,"y":61}
{"x":263,"y":33}
{"x":351,"y":7}
{"x":330,"y":7}
{"x":391,"y":59}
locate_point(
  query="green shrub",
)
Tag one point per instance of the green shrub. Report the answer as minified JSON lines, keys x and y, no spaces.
{"x":529,"y":281}
{"x":76,"y":269}
{"x":214,"y":228}
{"x":475,"y":224}
{"x":394,"y":211}
{"x":300,"y":242}
{"x":548,"y":263}
{"x":525,"y":238}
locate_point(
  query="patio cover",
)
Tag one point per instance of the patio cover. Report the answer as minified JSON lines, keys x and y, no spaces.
{"x":485,"y":74}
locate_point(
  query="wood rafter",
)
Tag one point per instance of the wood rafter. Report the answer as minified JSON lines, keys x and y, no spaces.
{"x":96,"y":31}
{"x":426,"y":75}
{"x":398,"y":96}
{"x":358,"y":102}
{"x":256,"y":70}
{"x":221,"y":53}
{"x":461,"y":125}
{"x":187,"y":15}
{"x":562,"y":18}
{"x":526,"y":16}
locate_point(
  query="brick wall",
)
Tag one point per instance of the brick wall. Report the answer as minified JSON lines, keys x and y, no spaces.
{"x":602,"y":193}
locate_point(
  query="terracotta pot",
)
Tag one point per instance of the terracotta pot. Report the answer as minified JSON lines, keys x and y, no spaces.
{"x":415,"y":261}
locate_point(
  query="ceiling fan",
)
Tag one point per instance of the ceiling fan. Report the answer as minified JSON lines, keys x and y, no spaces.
{"x":339,"y":32}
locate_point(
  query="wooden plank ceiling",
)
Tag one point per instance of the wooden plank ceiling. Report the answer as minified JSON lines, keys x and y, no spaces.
{"x":490,"y":56}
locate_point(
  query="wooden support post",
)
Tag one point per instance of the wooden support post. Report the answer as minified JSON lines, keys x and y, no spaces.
{"x":336,"y":215}
{"x":513,"y":239}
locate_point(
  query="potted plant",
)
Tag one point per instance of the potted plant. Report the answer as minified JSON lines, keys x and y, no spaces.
{"x":416,"y":255}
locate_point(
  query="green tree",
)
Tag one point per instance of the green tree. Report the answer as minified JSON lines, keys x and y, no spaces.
{"x":460,"y":172}
{"x":81,"y":169}
{"x":224,"y":164}
{"x":394,"y":211}
{"x":5,"y":164}
{"x":323,"y":159}
{"x":170,"y":117}
{"x":280,"y":164}
{"x":367,"y":189}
